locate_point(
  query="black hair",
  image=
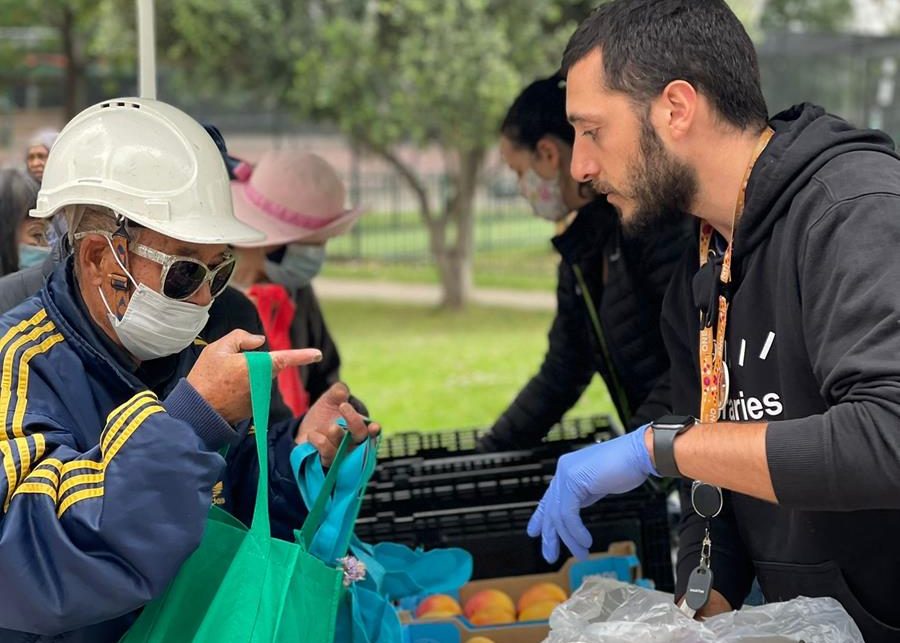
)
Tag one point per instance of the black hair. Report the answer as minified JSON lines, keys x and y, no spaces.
{"x":647,"y":44}
{"x":18,"y":195}
{"x":231,"y":162}
{"x":538,"y":111}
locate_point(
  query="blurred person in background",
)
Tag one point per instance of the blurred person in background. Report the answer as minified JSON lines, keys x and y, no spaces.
{"x":298,"y":201}
{"x":22,"y":239}
{"x":610,"y":286}
{"x":37,"y":152}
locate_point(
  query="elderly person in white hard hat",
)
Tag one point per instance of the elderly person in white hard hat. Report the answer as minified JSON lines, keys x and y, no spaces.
{"x":298,"y":201}
{"x":115,"y":417}
{"x":37,"y":152}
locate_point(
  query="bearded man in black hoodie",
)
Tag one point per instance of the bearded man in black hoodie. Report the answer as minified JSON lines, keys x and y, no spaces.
{"x":782,"y":323}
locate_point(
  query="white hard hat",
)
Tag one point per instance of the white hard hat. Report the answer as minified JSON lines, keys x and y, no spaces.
{"x":149,"y":162}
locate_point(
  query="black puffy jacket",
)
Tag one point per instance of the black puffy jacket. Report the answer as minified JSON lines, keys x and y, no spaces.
{"x":609,"y":297}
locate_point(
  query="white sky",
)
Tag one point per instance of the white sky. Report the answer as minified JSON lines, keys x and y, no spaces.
{"x":876,"y":16}
{"x":872,"y":16}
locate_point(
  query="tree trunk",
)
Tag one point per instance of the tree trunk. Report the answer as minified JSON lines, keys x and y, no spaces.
{"x":74,"y":65}
{"x":455,"y":263}
{"x":453,"y":258}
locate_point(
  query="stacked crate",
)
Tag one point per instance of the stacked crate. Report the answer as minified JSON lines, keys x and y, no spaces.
{"x":434,"y":490}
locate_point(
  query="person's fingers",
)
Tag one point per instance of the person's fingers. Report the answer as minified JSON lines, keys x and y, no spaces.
{"x":337,"y":394}
{"x":356,"y":423}
{"x":571,"y":529}
{"x":549,"y":540}
{"x":534,"y":523}
{"x":324,"y":446}
{"x":374,"y":429}
{"x":237,"y":341}
{"x":549,"y":535}
{"x":294,"y":357}
{"x":335,"y":434}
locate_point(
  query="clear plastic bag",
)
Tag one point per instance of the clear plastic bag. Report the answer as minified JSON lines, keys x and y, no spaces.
{"x":604,"y":610}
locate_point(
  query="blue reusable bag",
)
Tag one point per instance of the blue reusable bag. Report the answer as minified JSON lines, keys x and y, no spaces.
{"x":399,"y":572}
{"x":366,"y":615}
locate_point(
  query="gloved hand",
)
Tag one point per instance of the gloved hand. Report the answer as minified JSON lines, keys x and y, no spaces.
{"x":582,"y":478}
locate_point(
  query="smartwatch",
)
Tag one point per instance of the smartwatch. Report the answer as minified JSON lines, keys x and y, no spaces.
{"x":665,"y":430}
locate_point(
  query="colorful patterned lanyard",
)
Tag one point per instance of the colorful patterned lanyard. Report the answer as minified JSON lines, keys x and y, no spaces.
{"x":712,"y":354}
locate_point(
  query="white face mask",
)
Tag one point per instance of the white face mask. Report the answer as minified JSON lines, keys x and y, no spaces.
{"x":544,"y":195}
{"x":153,"y":325}
{"x":298,"y":266}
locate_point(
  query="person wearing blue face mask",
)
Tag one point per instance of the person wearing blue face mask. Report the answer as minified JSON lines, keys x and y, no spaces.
{"x":298,"y":200}
{"x":22,"y":239}
{"x":610,"y":285}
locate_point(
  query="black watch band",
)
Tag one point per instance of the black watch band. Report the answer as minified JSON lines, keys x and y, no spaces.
{"x":665,"y":430}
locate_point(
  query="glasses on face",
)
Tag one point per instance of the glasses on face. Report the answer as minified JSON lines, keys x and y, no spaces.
{"x":182,"y":277}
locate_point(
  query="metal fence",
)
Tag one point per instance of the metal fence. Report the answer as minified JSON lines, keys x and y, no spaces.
{"x":851,"y":75}
{"x":392,"y":229}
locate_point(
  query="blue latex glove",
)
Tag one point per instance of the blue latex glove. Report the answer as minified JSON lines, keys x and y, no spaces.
{"x":582,"y":478}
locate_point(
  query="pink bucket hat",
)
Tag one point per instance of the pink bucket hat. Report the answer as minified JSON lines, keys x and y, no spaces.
{"x":292,"y":197}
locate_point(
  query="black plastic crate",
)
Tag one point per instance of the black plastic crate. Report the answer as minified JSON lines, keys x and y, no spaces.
{"x":495,"y":534}
{"x":411,"y":485}
{"x":464,"y":481}
{"x":417,"y":490}
{"x":393,"y":470}
{"x":438,"y":444}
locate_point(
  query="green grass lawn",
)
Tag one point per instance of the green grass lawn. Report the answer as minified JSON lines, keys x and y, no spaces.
{"x":403,"y":235}
{"x":513,"y":250}
{"x":513,"y":268}
{"x":418,"y":368}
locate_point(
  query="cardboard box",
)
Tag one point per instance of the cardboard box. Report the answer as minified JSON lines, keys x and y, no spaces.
{"x":619,"y":561}
{"x":456,"y":631}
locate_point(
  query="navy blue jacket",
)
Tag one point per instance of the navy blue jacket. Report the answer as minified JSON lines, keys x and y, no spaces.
{"x":108,"y":471}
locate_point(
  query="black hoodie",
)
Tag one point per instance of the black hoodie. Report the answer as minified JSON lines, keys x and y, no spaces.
{"x":813,"y":348}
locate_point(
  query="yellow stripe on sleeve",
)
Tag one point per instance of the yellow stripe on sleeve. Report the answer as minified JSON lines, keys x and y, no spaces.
{"x":9,"y":354}
{"x":127,"y":409}
{"x":9,"y":466}
{"x":74,"y":481}
{"x":77,"y":497}
{"x":37,"y":488}
{"x":22,"y":388}
{"x":129,"y":430}
{"x":21,"y":326}
{"x":114,"y":449}
{"x":125,"y":413}
{"x":44,"y":474}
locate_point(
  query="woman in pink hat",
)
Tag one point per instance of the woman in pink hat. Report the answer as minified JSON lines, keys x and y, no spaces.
{"x":298,"y":200}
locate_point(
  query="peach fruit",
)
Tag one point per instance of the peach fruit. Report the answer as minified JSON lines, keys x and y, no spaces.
{"x":438,"y":604}
{"x":489,"y":599}
{"x":540,"y":592}
{"x":492,"y":616}
{"x":539,"y":611}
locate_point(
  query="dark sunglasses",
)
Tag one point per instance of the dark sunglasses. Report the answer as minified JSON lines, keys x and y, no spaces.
{"x":182,"y":277}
